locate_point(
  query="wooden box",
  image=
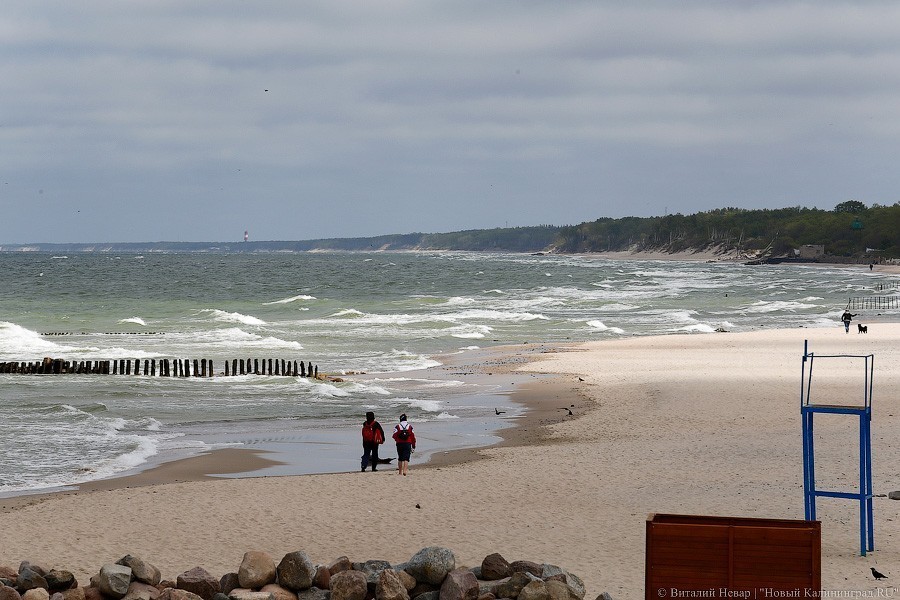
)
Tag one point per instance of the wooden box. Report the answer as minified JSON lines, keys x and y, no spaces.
{"x":688,"y":555}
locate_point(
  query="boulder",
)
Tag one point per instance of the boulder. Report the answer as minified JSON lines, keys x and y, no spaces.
{"x":296,"y":571}
{"x":36,"y":568}
{"x":488,"y":596}
{"x":139,"y":590}
{"x":199,"y":581}
{"x":429,"y":595}
{"x":891,"y":495}
{"x":526,"y":566}
{"x":322,"y":580}
{"x":113,"y":580}
{"x":278,"y":592}
{"x":605,"y":596}
{"x":7,"y":572}
{"x":245,"y":594}
{"x":91,"y":592}
{"x":141,"y":571}
{"x":535,"y":590}
{"x":314,"y":593}
{"x":560,"y":591}
{"x":459,"y":584}
{"x":494,"y":567}
{"x":340,"y":564}
{"x":171,"y":593}
{"x":58,"y":581}
{"x":221,"y":596}
{"x":431,"y":564}
{"x":348,"y":585}
{"x":36,"y":594}
{"x":228,"y":582}
{"x":257,"y":569}
{"x":572,"y":581}
{"x":408,"y":581}
{"x":29,"y":579}
{"x":389,"y":586}
{"x":510,"y":588}
{"x":73,"y":594}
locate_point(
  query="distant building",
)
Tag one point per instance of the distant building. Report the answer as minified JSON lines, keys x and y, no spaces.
{"x":812,"y":251}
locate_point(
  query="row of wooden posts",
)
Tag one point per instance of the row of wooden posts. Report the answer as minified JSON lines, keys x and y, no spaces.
{"x":163,"y":367}
{"x":874,"y":303}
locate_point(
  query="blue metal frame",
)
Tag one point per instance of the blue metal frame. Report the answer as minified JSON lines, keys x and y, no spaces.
{"x":807,"y":411}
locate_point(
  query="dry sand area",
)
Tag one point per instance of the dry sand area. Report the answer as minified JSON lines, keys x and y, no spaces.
{"x":690,"y":424}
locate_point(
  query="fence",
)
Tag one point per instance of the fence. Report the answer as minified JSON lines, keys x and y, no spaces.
{"x":874,"y":303}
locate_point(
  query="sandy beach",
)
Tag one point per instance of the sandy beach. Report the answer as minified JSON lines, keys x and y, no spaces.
{"x":691,"y":424}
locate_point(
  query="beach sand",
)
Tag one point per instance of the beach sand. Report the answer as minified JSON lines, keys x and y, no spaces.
{"x":690,"y":424}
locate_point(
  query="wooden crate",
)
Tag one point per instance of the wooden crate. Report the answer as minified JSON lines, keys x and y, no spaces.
{"x":718,"y":555}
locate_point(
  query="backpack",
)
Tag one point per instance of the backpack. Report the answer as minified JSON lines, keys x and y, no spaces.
{"x":403,"y":434}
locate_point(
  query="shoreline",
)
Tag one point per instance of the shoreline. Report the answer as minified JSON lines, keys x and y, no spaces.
{"x":683,"y":424}
{"x":249,"y":463}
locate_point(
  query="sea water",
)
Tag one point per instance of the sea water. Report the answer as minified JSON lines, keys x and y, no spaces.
{"x":389,"y":315}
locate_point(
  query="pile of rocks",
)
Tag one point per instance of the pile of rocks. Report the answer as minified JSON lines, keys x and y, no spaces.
{"x":431,"y":574}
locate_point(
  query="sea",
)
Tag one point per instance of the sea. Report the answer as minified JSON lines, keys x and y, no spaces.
{"x":392,"y":316}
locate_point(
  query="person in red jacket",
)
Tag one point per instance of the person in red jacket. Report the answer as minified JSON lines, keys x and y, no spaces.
{"x":373,"y":436}
{"x":406,"y":443}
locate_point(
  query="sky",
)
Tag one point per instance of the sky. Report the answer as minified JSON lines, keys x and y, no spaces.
{"x":160,"y":120}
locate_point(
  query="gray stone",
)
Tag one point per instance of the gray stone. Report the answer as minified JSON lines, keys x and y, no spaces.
{"x":560,"y":591}
{"x":488,"y":596}
{"x":113,"y":580}
{"x":605,"y":596}
{"x":459,"y":584}
{"x":511,"y":587}
{"x":494,"y":566}
{"x":348,"y":585}
{"x":73,"y":594}
{"x":257,"y":569}
{"x":408,"y":581}
{"x":431,"y":564}
{"x":141,"y":591}
{"x":314,"y":593}
{"x":535,"y":590}
{"x":220,"y":595}
{"x":526,"y":566}
{"x":340,"y":564}
{"x":245,"y":594}
{"x":36,"y":594}
{"x":29,"y":579}
{"x":390,"y":587}
{"x":228,"y":582}
{"x":36,"y":568}
{"x":140,"y":570}
{"x":296,"y":571}
{"x":429,"y":595}
{"x":171,"y":593}
{"x":894,"y":495}
{"x":278,"y":592}
{"x":58,"y":581}
{"x":199,"y":581}
{"x":91,"y":592}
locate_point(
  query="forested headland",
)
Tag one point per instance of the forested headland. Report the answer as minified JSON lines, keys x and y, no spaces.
{"x":850,"y":230}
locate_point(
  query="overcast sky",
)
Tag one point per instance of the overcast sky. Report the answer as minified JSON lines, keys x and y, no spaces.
{"x":156,"y":120}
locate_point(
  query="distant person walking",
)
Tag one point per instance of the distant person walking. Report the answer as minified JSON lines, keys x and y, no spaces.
{"x":846,"y":318}
{"x":406,"y":443}
{"x":372,"y":436}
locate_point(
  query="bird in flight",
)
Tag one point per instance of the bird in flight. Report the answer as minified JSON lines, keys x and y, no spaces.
{"x":877,"y":575}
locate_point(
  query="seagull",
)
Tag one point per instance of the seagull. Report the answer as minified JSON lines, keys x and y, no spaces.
{"x":499,"y":412}
{"x":877,"y":575}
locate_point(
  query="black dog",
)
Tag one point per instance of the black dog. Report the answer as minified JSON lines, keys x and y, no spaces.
{"x":862,"y":328}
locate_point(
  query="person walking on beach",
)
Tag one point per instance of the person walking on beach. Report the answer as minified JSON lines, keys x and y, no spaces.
{"x":373,"y":436}
{"x":846,"y":318}
{"x":406,"y":443}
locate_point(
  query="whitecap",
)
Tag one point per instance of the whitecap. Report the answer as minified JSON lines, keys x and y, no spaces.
{"x":291,"y":299}
{"x":601,"y":326}
{"x":234,"y":317}
{"x":136,"y":320}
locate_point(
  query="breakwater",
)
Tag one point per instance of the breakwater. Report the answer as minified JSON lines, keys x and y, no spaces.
{"x":163,"y":367}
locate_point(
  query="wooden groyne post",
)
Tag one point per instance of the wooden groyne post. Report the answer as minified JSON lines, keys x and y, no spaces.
{"x":163,"y":367}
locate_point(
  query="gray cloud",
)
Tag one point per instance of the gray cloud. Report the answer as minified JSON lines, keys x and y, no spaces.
{"x":193,"y":121}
